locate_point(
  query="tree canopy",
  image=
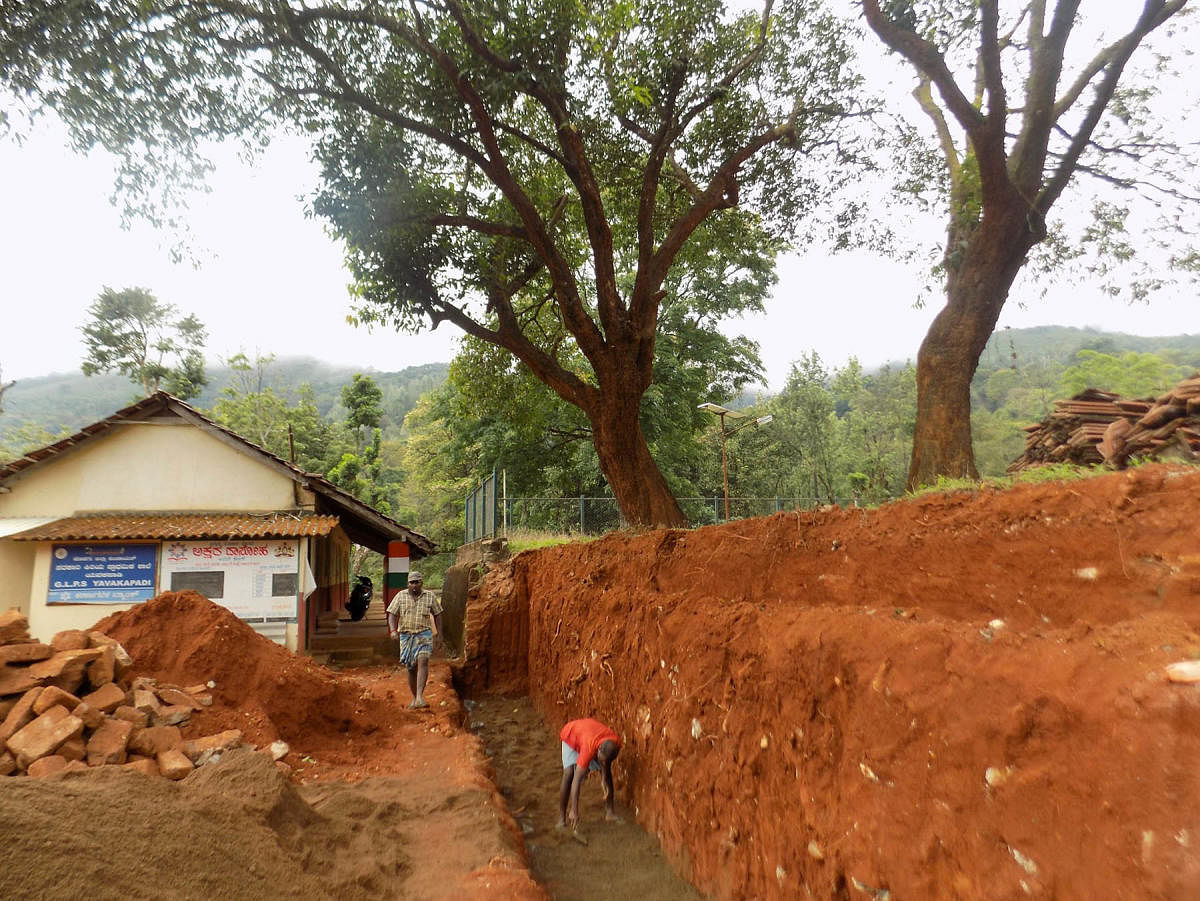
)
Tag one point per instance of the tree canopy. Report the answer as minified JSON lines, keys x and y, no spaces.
{"x":530,"y":173}
{"x":132,"y":332}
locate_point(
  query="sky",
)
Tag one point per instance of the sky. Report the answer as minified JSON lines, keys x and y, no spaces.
{"x":271,"y":281}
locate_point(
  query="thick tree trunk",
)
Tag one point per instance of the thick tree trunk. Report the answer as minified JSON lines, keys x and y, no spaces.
{"x":637,"y":483}
{"x":975,"y":295}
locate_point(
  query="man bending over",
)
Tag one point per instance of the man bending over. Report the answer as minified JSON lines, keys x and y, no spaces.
{"x":586,"y":745}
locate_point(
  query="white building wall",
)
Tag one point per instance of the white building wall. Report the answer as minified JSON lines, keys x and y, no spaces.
{"x":160,"y":466}
{"x":16,"y":574}
{"x":46,"y":620}
{"x":151,"y":466}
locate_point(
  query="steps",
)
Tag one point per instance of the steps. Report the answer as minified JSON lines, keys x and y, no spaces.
{"x":343,"y":642}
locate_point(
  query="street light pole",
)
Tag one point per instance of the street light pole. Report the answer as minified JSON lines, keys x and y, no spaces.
{"x":722,"y":412}
{"x":724,"y":467}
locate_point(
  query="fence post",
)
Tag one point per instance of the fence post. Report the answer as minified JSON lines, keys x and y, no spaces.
{"x":469,"y":522}
{"x":495,"y":517}
{"x":581,"y":515}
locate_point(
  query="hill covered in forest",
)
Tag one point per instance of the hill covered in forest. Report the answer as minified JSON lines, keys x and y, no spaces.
{"x":68,"y":401}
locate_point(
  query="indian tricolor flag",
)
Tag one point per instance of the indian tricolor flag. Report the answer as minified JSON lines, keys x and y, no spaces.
{"x":396,"y":578}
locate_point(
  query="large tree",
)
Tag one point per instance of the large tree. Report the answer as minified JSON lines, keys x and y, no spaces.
{"x":529,"y":172}
{"x":1023,"y":99}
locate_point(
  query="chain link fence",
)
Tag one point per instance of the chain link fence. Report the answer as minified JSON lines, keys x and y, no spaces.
{"x":596,"y":515}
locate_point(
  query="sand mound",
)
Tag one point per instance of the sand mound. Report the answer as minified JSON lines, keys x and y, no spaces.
{"x":184,"y":638}
{"x":235,"y":829}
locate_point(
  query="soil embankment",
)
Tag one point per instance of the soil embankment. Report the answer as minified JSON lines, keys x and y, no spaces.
{"x":374,"y":800}
{"x":953,"y":696}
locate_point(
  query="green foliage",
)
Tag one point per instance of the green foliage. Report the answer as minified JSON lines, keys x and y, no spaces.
{"x":363,"y":401}
{"x":131,"y":332}
{"x":437,"y":480}
{"x":27,"y":437}
{"x":527,"y":540}
{"x":288,"y":425}
{"x":1050,"y":472}
{"x":71,"y":401}
{"x":367,"y":476}
{"x":836,"y":437}
{"x":1130,"y":374}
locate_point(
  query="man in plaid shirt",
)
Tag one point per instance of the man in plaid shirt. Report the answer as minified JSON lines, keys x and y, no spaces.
{"x":408,"y":622}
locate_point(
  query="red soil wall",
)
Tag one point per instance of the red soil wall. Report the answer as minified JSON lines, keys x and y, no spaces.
{"x":953,"y":696}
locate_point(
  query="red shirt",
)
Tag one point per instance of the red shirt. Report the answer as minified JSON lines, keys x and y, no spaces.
{"x":586,"y":737}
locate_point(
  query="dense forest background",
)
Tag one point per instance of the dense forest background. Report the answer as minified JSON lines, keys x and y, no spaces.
{"x":416,"y":441}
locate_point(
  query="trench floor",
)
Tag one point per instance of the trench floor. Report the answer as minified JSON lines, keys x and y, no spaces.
{"x":620,"y":860}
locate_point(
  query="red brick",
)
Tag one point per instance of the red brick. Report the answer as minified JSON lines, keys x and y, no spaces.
{"x":177,"y":698}
{"x":222,"y":741}
{"x":171,"y":716}
{"x":130,"y":714}
{"x":20,"y":716}
{"x":92,"y":718}
{"x":16,"y":681}
{"x":13,"y":627}
{"x":146,"y":765}
{"x":106,"y":698}
{"x":25,"y":652}
{"x":73,"y":749}
{"x":64,"y":662}
{"x":70,"y":640}
{"x":145,"y":700}
{"x":155,"y":740}
{"x":47,"y":766}
{"x":51,"y":696}
{"x":103,"y":669}
{"x":108,"y":743}
{"x":44,"y":736}
{"x":174,"y":764}
{"x":123,"y":661}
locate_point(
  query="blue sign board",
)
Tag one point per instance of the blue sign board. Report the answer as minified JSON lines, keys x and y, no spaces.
{"x":102,"y":573}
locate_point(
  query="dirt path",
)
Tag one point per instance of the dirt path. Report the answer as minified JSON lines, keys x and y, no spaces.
{"x":619,"y":861}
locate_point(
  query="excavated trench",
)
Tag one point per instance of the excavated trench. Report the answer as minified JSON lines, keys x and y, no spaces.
{"x":961,"y":695}
{"x":619,"y":860}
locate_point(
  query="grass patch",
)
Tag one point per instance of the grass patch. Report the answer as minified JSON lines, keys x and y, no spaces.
{"x":1049,"y":472}
{"x":531,"y":540}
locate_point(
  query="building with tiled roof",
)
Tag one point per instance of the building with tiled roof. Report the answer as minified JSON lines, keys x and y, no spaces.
{"x":159,"y":497}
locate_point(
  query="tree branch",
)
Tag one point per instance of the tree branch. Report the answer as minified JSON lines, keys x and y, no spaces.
{"x":923,"y":93}
{"x":926,"y":58}
{"x":1154,"y":14}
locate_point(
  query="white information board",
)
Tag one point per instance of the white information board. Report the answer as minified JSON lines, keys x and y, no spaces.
{"x":255,"y":579}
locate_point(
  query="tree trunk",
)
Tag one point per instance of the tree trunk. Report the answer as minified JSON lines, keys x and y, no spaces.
{"x":975,"y":294}
{"x":636,"y":481}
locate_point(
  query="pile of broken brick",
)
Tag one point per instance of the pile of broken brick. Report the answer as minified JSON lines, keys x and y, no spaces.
{"x":1096,"y":427}
{"x":71,"y":704}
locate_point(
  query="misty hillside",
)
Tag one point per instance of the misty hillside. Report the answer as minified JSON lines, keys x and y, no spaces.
{"x":72,"y":400}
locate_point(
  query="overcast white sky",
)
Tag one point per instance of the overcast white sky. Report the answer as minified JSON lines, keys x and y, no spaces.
{"x":273,"y":282}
